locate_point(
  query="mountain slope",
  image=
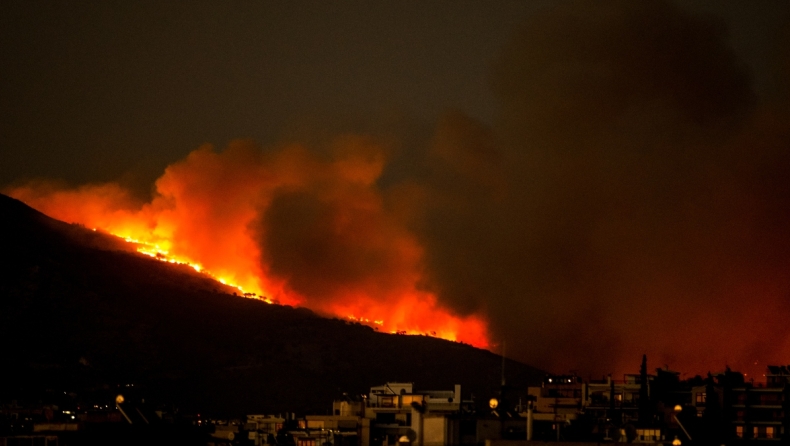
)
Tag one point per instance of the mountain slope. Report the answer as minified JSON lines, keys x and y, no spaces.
{"x":80,"y":309}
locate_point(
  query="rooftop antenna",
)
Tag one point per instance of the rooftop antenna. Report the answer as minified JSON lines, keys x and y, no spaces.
{"x":503,"y":363}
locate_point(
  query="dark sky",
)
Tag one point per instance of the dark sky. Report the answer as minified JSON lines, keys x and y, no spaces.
{"x":599,"y":181}
{"x":95,"y":91}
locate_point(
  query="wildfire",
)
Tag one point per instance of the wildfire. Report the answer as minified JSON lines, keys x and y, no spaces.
{"x":364,"y":320}
{"x":160,"y":254}
{"x":286,"y":227}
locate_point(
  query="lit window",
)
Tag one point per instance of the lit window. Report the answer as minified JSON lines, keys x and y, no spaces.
{"x":739,"y":431}
{"x":700,"y":398}
{"x":769,"y":432}
{"x":648,"y":434}
{"x":408,"y":399}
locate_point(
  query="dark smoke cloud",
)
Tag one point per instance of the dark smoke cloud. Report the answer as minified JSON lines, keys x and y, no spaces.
{"x":632,"y":197}
{"x":331,"y":235}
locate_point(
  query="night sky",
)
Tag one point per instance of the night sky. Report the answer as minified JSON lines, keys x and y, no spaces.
{"x":597,"y":180}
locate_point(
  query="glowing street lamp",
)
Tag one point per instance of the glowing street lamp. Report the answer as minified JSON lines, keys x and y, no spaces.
{"x":678,"y":409}
{"x":118,"y":401}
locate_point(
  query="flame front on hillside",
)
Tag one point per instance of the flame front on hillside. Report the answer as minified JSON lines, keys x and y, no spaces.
{"x":287,"y":227}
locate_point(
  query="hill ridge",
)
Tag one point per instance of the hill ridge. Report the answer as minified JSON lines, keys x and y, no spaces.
{"x":81,"y":309}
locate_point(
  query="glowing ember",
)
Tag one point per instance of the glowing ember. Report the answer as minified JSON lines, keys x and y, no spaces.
{"x":285,"y":228}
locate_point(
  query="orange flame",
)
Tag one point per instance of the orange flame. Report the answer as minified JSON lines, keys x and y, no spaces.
{"x":339,"y":251}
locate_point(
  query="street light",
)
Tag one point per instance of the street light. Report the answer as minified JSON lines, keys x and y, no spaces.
{"x":678,"y":409}
{"x":118,"y":402}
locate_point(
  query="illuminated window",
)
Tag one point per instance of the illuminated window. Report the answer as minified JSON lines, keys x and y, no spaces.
{"x":306,"y":442}
{"x":618,"y":397}
{"x":315,"y":424}
{"x":387,"y":401}
{"x":700,"y":398}
{"x":648,"y":434}
{"x":769,"y":432}
{"x":408,"y":399}
{"x":739,"y":431}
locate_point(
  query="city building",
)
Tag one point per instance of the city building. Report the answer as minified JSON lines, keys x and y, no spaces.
{"x":399,"y":414}
{"x":759,"y":411}
{"x":394,"y":413}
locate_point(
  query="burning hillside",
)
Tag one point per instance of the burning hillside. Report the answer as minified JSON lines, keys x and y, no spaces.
{"x":289,"y":227}
{"x":626,"y":194}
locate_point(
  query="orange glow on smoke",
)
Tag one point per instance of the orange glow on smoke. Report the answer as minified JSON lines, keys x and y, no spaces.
{"x":213,"y":211}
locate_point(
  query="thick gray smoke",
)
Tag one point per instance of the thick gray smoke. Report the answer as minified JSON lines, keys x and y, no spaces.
{"x":632,"y":198}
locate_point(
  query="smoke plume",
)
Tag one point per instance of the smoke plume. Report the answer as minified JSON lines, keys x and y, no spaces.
{"x":631,"y":197}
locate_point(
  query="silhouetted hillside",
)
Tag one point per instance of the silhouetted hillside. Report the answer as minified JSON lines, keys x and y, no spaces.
{"x":79,"y":309}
